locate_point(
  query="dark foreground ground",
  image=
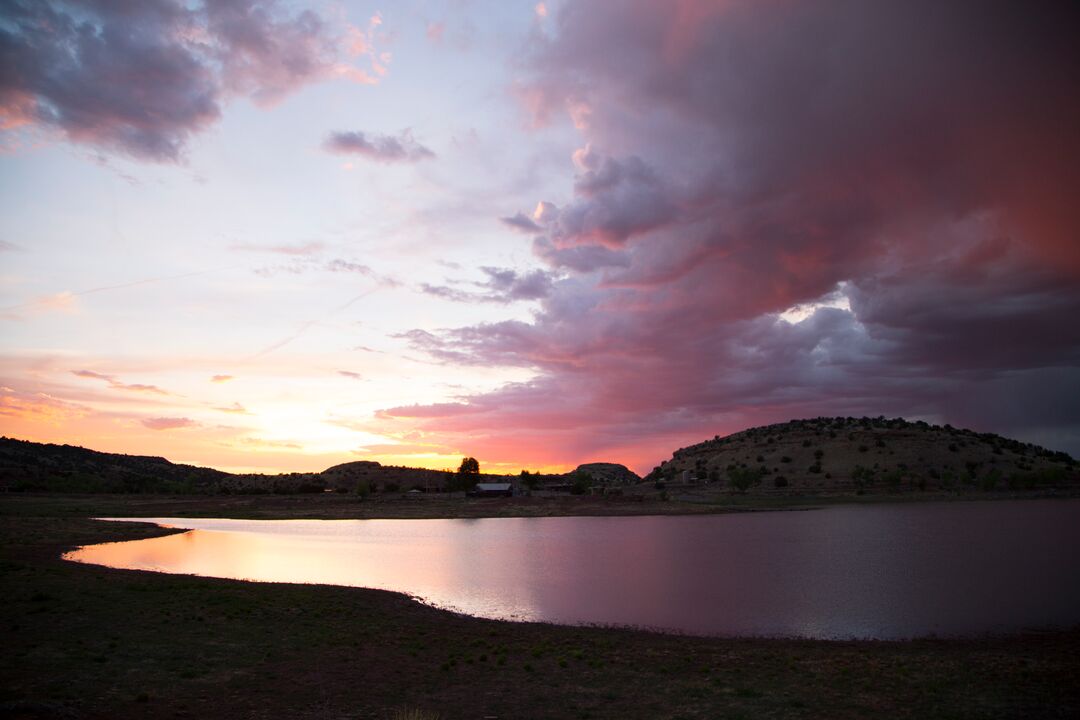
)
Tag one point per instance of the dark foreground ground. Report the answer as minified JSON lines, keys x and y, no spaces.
{"x":85,"y":642}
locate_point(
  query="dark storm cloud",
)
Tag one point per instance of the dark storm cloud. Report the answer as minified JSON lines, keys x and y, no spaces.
{"x":918,"y":160}
{"x":143,"y":77}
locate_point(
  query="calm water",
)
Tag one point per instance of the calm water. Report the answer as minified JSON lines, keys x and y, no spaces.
{"x":885,"y":571}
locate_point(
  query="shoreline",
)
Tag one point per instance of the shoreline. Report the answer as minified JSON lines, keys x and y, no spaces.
{"x":332,"y":506}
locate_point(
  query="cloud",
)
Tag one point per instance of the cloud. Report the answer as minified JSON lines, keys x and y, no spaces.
{"x":306,"y":259}
{"x":115,"y":384}
{"x":350,"y":374}
{"x":67,"y":300}
{"x":440,"y":410}
{"x":169,"y":423}
{"x":435,"y":31}
{"x":501,"y":286}
{"x":38,"y":407}
{"x":144,"y":78}
{"x":385,"y":149}
{"x":298,"y":249}
{"x":522,"y":222}
{"x":742,"y":159}
{"x":582,"y":259}
{"x":221,"y":378}
{"x":236,"y":409}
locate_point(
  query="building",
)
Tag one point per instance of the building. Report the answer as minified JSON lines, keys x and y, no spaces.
{"x":493,"y":490}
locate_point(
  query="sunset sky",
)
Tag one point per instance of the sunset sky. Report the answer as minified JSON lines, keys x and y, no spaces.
{"x":277,"y":236}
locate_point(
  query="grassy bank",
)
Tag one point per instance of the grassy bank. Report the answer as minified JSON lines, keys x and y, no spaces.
{"x":83,"y":641}
{"x":334,"y":505}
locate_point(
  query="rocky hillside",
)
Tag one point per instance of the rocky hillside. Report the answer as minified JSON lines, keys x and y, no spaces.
{"x":865,"y":455}
{"x":608,"y":473}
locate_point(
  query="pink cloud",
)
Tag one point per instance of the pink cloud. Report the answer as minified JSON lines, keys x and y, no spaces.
{"x":438,"y":410}
{"x":169,"y":423}
{"x":115,"y":384}
{"x":38,"y":407}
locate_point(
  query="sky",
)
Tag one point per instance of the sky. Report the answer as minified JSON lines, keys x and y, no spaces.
{"x":276,"y":236}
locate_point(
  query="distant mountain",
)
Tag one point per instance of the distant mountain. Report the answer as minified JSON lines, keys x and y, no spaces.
{"x":31,"y":466}
{"x":865,"y":455}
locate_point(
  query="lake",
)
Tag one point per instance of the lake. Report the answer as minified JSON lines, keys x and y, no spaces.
{"x":860,"y":571}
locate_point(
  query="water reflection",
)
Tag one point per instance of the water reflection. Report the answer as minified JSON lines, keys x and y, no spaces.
{"x":876,"y":571}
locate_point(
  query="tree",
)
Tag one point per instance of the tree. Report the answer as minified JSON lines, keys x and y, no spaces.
{"x":529,"y":479}
{"x":580,"y":482}
{"x":467,"y":475}
{"x":743,"y":478}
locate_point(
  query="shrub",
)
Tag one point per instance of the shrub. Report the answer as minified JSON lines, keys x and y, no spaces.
{"x":743,"y":478}
{"x":990,"y":480}
{"x":780,"y":481}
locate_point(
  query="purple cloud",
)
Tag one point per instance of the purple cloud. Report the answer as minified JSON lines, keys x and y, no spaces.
{"x":143,"y":78}
{"x":380,"y":148}
{"x":501,"y":286}
{"x":521,"y":221}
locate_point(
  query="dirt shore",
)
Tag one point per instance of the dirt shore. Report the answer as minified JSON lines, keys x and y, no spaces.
{"x":89,"y":642}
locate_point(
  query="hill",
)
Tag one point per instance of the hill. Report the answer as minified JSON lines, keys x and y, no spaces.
{"x":26,"y":465}
{"x":31,"y":466}
{"x":608,"y":473}
{"x":861,"y":455}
